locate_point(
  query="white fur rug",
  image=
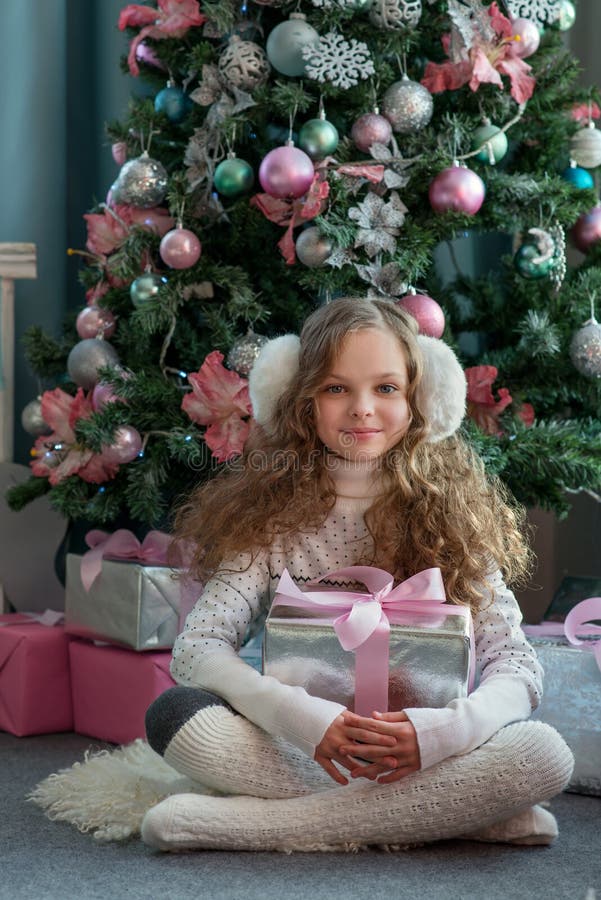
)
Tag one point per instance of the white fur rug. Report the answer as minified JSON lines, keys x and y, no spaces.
{"x":110,"y":791}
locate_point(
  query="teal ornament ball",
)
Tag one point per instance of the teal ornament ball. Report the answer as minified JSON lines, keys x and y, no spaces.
{"x":578,"y":177}
{"x":146,"y":287}
{"x":567,"y":15}
{"x":174,"y":103}
{"x":495,"y":144}
{"x":286,"y":42}
{"x":524,"y":261}
{"x":318,"y":138}
{"x":233,"y":177}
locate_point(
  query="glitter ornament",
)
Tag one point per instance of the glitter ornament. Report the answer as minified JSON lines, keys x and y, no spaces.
{"x":93,"y":321}
{"x":585,"y":147}
{"x":245,"y":351}
{"x":146,"y":287}
{"x":395,"y":14}
{"x":286,"y":42}
{"x":567,"y":15}
{"x":371,"y":128}
{"x":244,"y":64}
{"x":180,"y":248}
{"x":585,"y":349}
{"x":173,"y":103}
{"x":457,"y":189}
{"x":529,"y":37}
{"x":312,"y":248}
{"x":32,"y":419}
{"x":86,"y":358}
{"x":529,"y":264}
{"x":318,"y":138}
{"x":578,"y":177}
{"x":426,"y":312}
{"x":286,"y":172}
{"x":233,"y":176}
{"x":142,"y":182}
{"x":126,"y":445}
{"x":587,"y":230}
{"x":495,"y":143}
{"x":407,"y":105}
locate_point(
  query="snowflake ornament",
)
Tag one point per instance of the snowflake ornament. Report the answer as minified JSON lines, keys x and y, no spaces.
{"x":543,"y":12}
{"x":379,"y":222}
{"x":340,"y":62}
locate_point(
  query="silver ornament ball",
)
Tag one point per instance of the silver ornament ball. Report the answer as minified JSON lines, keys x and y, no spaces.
{"x":86,"y":358}
{"x":312,"y":248}
{"x":286,"y":42}
{"x":585,"y":349}
{"x":244,"y":65}
{"x":32,"y":420}
{"x":585,"y":147}
{"x":245,"y":351}
{"x":395,"y":14}
{"x":407,"y":105}
{"x":142,"y":182}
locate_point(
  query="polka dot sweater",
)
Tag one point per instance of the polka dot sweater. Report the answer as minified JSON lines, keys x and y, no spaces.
{"x":205,"y":654}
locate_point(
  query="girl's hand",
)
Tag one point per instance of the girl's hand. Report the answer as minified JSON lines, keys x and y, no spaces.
{"x":369,"y":732}
{"x":328,"y":750}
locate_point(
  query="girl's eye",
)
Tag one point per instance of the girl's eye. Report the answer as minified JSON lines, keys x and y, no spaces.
{"x":334,"y":389}
{"x":387,"y":388}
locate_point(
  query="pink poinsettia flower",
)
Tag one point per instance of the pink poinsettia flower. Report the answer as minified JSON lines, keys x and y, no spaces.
{"x":493,"y":52}
{"x":172,"y":19}
{"x":291,"y":213}
{"x":585,"y":112}
{"x":481,"y":404}
{"x":95,"y":293}
{"x":220,"y":400}
{"x":61,"y":411}
{"x":109,"y":229}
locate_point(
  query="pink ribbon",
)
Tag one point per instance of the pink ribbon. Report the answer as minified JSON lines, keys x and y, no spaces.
{"x":576,"y":623}
{"x":49,"y":618}
{"x":364,"y":626}
{"x":121,"y":544}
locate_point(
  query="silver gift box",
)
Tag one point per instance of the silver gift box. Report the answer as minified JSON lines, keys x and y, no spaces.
{"x":429,"y":664}
{"x":129,"y":604}
{"x":572,"y":704}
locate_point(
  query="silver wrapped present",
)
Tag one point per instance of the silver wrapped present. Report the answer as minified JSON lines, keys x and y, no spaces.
{"x":572,"y":704}
{"x":429,"y":650}
{"x":129,"y":604}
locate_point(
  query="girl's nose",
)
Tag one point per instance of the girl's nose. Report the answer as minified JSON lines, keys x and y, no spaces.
{"x":360,"y":406}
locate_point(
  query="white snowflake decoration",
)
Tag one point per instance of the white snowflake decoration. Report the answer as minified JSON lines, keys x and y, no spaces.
{"x":338,"y":61}
{"x":545,"y":11}
{"x":379,"y":222}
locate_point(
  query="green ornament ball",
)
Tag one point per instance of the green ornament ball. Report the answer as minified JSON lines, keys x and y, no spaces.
{"x":145,"y":287}
{"x":318,"y":138}
{"x":525,"y":265}
{"x":567,"y":15}
{"x":495,"y":143}
{"x":233,"y":177}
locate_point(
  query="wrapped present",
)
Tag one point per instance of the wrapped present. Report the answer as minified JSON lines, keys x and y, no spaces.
{"x":35,"y":686}
{"x":112,"y":689}
{"x":570,"y":654}
{"x":122,"y":591}
{"x":390,"y":649}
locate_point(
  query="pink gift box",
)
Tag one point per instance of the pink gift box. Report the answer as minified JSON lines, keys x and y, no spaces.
{"x":113,"y":688}
{"x":35,"y":687}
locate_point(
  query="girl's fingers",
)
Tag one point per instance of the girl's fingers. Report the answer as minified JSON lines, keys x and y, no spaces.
{"x":397,"y":775}
{"x":367,"y":751}
{"x":374,"y":726}
{"x":371,"y":737}
{"x":391,"y":716}
{"x":331,"y":769}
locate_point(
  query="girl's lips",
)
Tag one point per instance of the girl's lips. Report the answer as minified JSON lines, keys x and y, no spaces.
{"x":362,"y":432}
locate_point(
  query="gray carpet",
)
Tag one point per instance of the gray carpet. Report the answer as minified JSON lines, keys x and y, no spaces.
{"x":42,"y":860}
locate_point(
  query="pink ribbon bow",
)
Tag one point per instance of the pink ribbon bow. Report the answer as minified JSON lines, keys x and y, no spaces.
{"x":364,"y":626}
{"x":121,"y":544}
{"x":577,"y":622}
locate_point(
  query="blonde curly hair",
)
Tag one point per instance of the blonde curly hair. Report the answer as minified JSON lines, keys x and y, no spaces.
{"x":438,"y":508}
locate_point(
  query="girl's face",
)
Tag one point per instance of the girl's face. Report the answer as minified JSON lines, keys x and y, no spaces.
{"x":361,"y":403}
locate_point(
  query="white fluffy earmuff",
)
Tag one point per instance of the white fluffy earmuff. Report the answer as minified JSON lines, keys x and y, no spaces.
{"x":441,"y":392}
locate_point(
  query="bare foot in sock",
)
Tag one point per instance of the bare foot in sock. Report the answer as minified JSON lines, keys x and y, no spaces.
{"x":531,"y":826}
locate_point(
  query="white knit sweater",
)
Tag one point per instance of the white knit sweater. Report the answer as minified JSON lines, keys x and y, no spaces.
{"x":205,"y":654}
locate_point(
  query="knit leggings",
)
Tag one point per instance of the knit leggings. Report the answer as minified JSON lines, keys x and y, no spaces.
{"x":282,"y":800}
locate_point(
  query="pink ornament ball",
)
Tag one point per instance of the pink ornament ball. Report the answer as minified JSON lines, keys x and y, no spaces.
{"x":93,"y":322}
{"x":286,"y":172}
{"x":180,"y":248}
{"x":426,"y":312}
{"x":529,"y":37}
{"x":457,"y":189}
{"x":146,"y":54}
{"x":119,"y":153}
{"x":587,"y":230}
{"x":102,"y":394}
{"x":369,"y":129}
{"x":126,"y":445}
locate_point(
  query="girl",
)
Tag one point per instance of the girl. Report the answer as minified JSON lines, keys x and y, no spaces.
{"x":356,"y":462}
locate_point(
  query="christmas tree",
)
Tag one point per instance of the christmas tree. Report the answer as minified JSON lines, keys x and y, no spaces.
{"x":295,"y":152}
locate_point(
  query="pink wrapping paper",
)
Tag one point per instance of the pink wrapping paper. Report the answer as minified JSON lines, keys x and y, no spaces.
{"x":35,"y":686}
{"x":113,"y":688}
